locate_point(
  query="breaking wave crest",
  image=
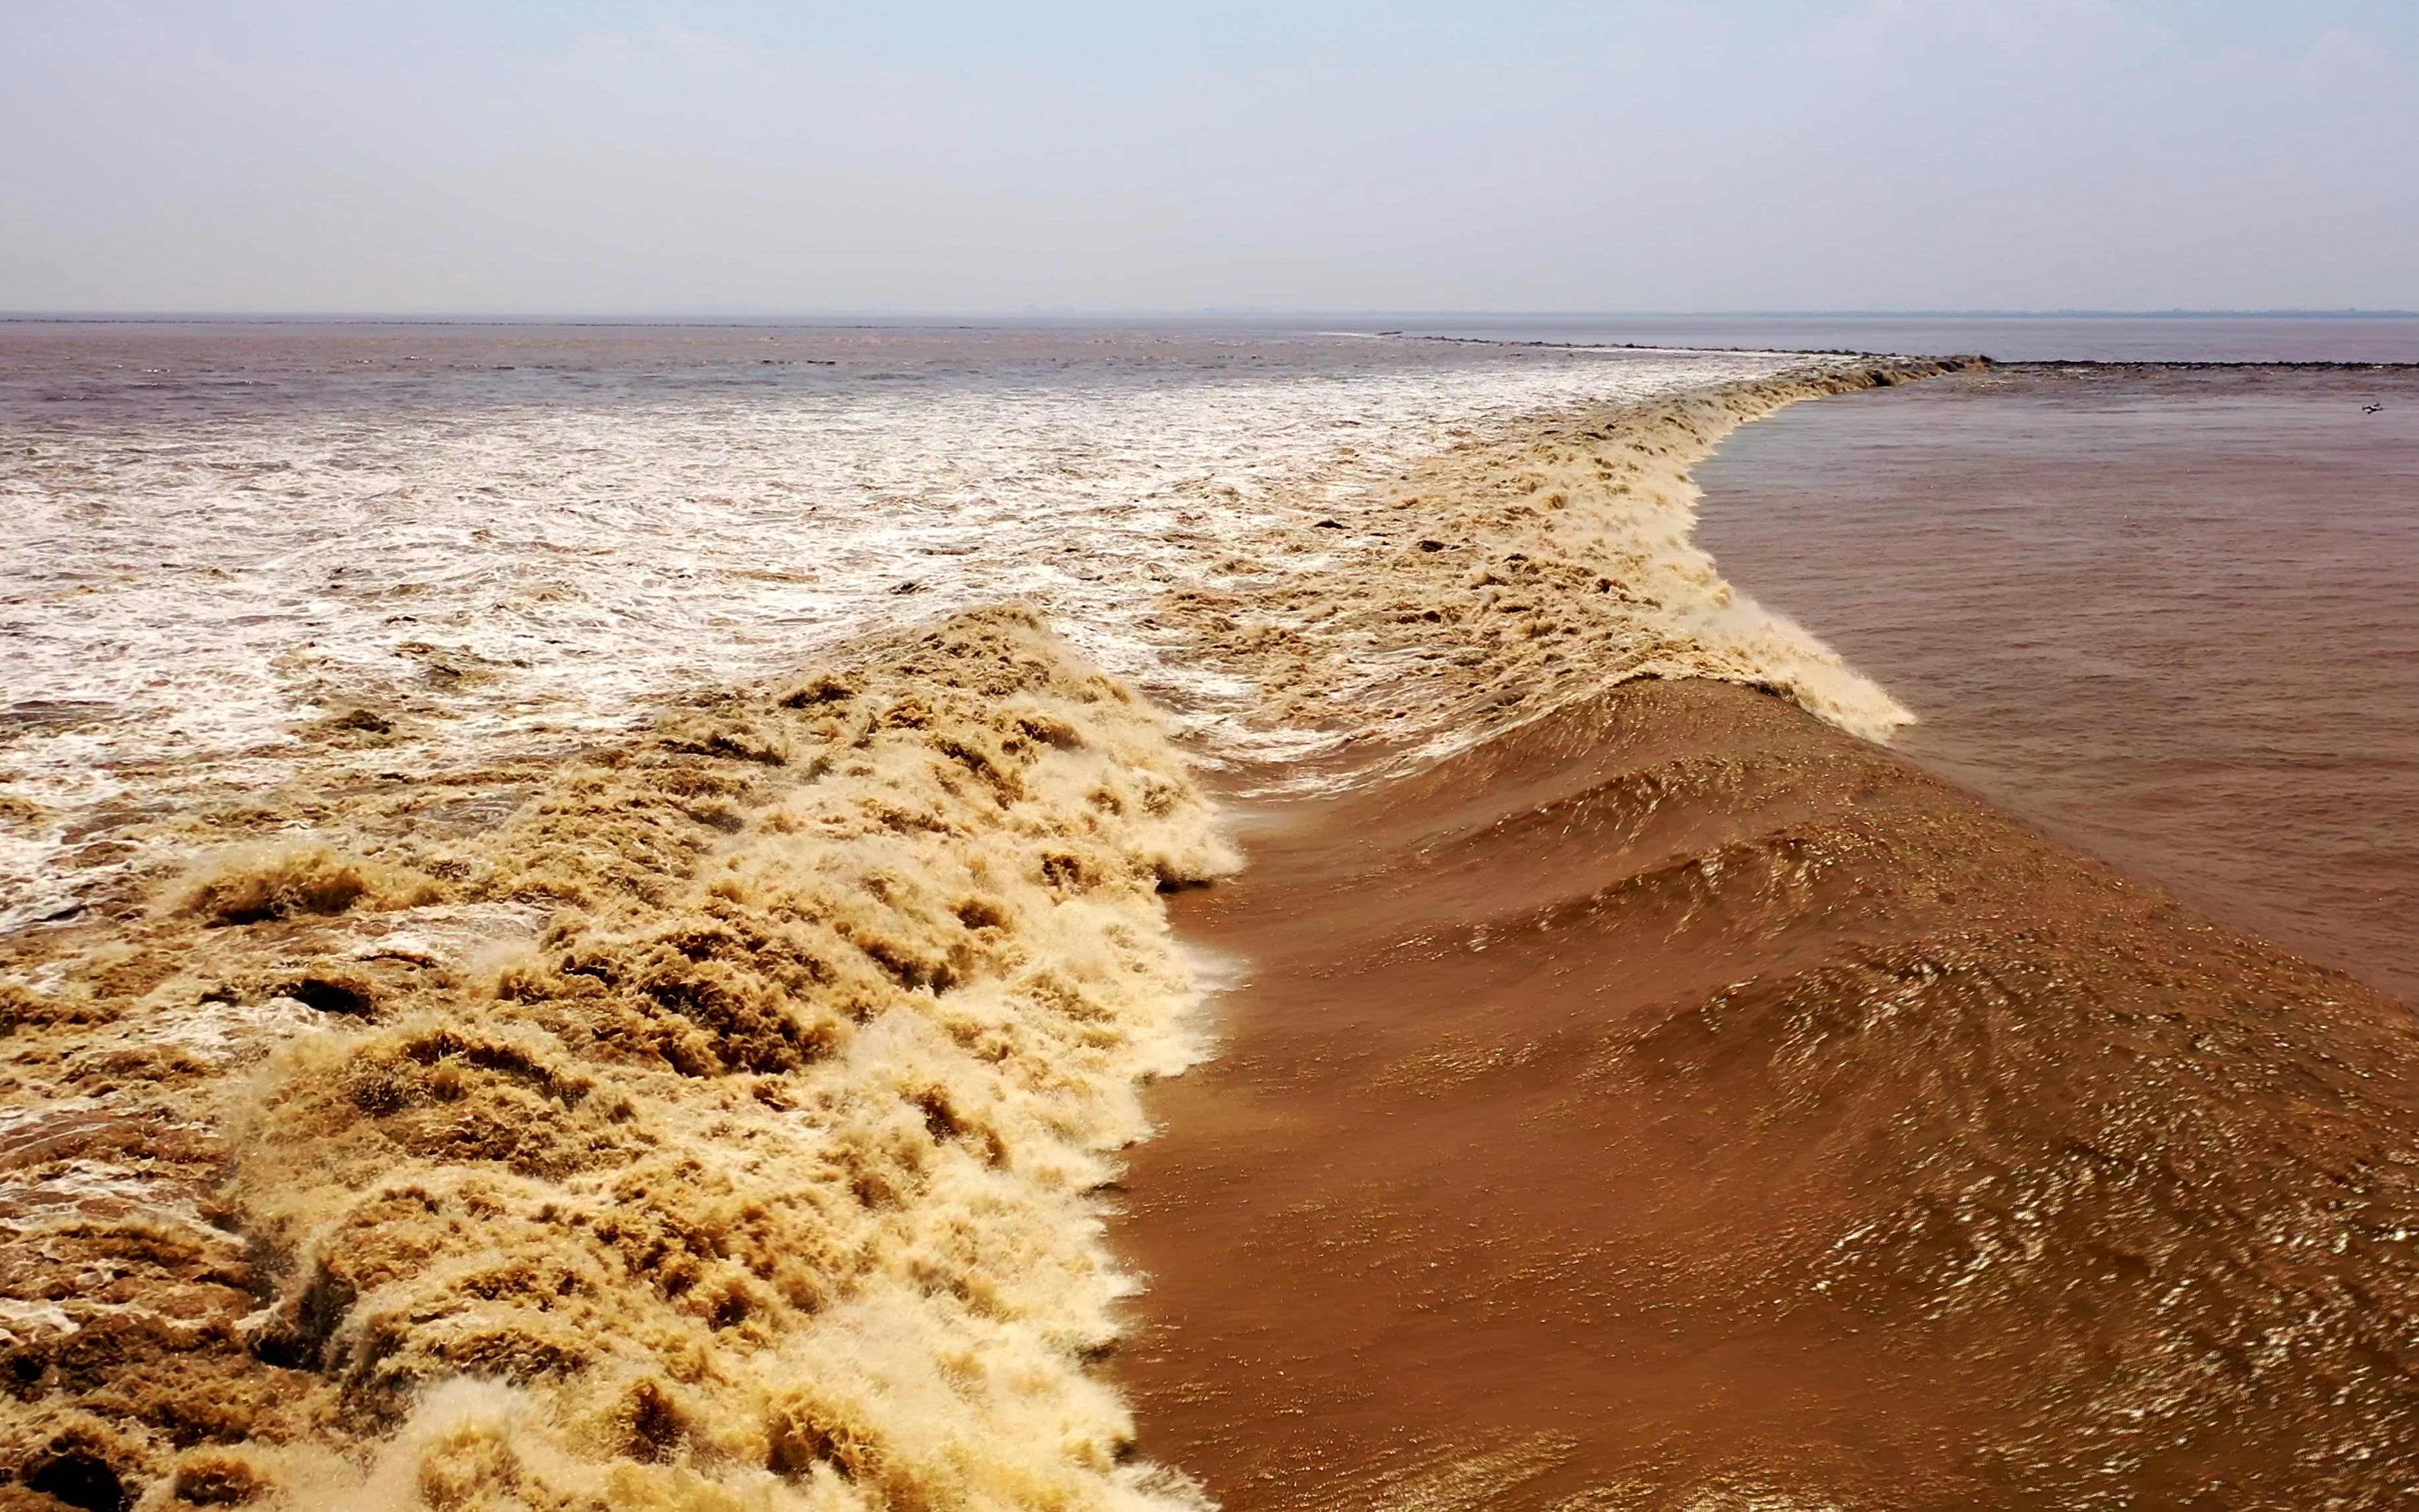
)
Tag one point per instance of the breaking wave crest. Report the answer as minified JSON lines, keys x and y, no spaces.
{"x":1509,"y":576}
{"x":712,"y":1119}
{"x":721,"y":1139}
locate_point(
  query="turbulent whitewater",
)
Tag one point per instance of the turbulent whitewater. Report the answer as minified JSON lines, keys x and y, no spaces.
{"x":588,"y":928}
{"x":221,"y":546}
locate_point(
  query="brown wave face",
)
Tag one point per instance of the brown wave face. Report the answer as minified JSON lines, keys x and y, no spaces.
{"x":1675,"y":1102}
{"x":711,"y":1119}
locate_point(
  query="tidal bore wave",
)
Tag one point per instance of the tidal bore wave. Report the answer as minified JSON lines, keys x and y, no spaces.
{"x":1645,"y":1095}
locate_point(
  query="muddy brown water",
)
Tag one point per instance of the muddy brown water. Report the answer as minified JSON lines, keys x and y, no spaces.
{"x":2168,"y":614}
{"x":1679,"y":1104}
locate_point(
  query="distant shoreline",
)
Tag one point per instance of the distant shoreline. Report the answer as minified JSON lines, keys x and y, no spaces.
{"x":964,"y":319}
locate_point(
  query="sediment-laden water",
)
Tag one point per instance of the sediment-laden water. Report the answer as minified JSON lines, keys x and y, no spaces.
{"x":2165,"y":612}
{"x":596,"y":917}
{"x":583,"y":939}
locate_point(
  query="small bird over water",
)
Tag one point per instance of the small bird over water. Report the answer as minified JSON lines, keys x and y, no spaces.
{"x":2370,"y":409}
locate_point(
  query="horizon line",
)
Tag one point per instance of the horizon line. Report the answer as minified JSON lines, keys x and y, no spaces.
{"x":876,"y":317}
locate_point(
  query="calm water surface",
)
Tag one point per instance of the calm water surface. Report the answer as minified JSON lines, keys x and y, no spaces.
{"x":2168,"y":615}
{"x":2008,"y":338}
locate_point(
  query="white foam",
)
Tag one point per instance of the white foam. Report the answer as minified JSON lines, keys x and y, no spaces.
{"x":214,"y":584}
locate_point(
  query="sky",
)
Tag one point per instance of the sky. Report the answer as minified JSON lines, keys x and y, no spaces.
{"x":740,"y":157}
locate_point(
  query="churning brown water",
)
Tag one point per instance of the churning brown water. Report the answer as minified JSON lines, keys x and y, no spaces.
{"x":1675,"y":1102}
{"x":586,"y":928}
{"x":564,"y":948}
{"x":1678,"y":1103}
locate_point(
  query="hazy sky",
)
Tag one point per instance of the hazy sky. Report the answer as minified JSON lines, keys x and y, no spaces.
{"x":1315,"y":154}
